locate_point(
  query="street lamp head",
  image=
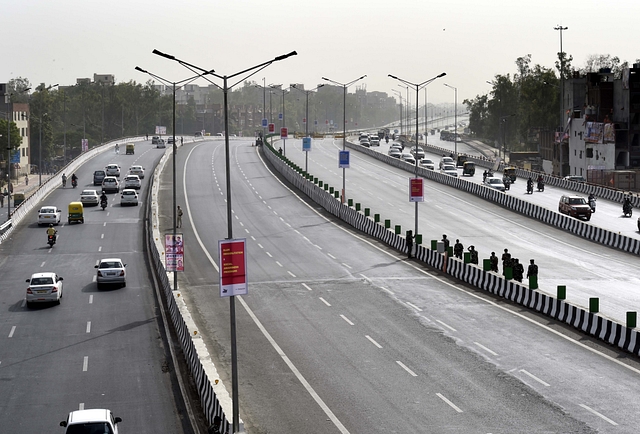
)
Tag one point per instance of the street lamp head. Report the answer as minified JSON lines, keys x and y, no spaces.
{"x":284,"y":56}
{"x":362,"y":77}
{"x":325,"y":78}
{"x":141,"y":70}
{"x":161,"y":54}
{"x":393,"y":76}
{"x":320,"y":85}
{"x":442,"y":75}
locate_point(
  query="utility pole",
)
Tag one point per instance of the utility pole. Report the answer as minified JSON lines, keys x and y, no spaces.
{"x":562,"y":120}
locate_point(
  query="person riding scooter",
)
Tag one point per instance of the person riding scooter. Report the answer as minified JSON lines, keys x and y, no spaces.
{"x":104,"y":200}
{"x":592,"y":202}
{"x":540,"y":183}
{"x":530,"y":185}
{"x":74,"y":180}
{"x":627,"y":206}
{"x":51,"y":232}
{"x":506,"y":180}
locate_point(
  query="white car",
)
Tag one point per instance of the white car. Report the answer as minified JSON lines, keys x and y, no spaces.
{"x":96,"y":420}
{"x":44,"y":287}
{"x":494,"y":182}
{"x":110,"y":183}
{"x":395,"y":153}
{"x":89,"y":197}
{"x":417,"y":153}
{"x":132,"y":181}
{"x":161,"y":144}
{"x":111,"y":270}
{"x":49,"y":215}
{"x":428,"y":164}
{"x":375,"y":141}
{"x":365,"y":142}
{"x":406,"y":156}
{"x":137,"y":170}
{"x":447,"y":161}
{"x":112,"y":170}
{"x":129,"y":197}
{"x":449,"y":169}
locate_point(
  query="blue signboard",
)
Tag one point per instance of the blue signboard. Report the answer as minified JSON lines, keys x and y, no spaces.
{"x":344,"y":160}
{"x":15,"y":157}
{"x":265,"y":123}
{"x":315,"y":122}
{"x":306,"y":144}
{"x":280,"y":116}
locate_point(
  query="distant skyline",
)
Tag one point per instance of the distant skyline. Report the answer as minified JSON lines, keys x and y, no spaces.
{"x":471,"y":40}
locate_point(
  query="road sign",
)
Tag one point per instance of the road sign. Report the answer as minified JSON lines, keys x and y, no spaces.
{"x":306,"y":144}
{"x":233,"y":267}
{"x":344,"y":160}
{"x":272,"y":128}
{"x":284,"y":132}
{"x":280,"y":116}
{"x":416,"y":191}
{"x":161,"y":130}
{"x":15,"y":157}
{"x":265,"y":123}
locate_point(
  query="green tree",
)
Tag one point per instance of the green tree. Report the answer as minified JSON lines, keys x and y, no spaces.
{"x":16,"y":140}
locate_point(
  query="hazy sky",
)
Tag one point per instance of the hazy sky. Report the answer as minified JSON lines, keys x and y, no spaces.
{"x":471,"y":40}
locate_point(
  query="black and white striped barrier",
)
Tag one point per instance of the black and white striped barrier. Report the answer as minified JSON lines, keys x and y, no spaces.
{"x":590,"y":323}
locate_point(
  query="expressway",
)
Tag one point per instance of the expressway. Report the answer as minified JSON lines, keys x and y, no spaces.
{"x":341,"y":334}
{"x":586,"y":268}
{"x":97,"y":349}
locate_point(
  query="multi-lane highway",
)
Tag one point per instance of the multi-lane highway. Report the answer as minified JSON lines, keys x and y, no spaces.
{"x":341,"y":334}
{"x":97,"y":349}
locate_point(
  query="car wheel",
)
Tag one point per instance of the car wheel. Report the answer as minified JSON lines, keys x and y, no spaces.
{"x":58,"y":302}
{"x":29,"y":304}
{"x":124,"y":284}
{"x":98,"y":285}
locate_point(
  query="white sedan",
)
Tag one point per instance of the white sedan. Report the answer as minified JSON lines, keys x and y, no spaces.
{"x":89,"y":197}
{"x":137,"y":170}
{"x":494,"y":182}
{"x":49,"y":215}
{"x":407,"y":157}
{"x":44,"y":287}
{"x":111,"y":270}
{"x":449,"y":169}
{"x":132,"y":181}
{"x":428,"y":164}
{"x":129,"y":197}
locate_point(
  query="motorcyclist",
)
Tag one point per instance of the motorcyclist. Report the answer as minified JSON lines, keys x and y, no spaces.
{"x":74,"y":179}
{"x":529,"y":185}
{"x":626,"y":205}
{"x":64,"y":180}
{"x":103,"y":198}
{"x":592,"y":202}
{"x":507,"y":182}
{"x":52,"y":232}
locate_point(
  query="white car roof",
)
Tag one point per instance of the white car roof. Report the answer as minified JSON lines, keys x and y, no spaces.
{"x":45,"y":274}
{"x":91,"y":415}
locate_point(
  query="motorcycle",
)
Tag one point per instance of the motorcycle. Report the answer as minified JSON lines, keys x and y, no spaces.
{"x":592,"y":204}
{"x":103,"y":204}
{"x":540,"y":185}
{"x":507,"y":183}
{"x":74,"y":183}
{"x":529,"y":188}
{"x":627,"y":209}
{"x":51,"y":240}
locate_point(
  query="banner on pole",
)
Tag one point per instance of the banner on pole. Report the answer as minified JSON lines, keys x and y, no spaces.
{"x":174,"y":252}
{"x":416,"y":191}
{"x":233,"y":267}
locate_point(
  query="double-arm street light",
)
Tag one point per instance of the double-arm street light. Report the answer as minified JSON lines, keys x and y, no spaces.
{"x":397,"y":92}
{"x":344,"y":125}
{"x":225,"y":91}
{"x":284,"y":92}
{"x":417,"y":86}
{"x":455,"y":126}
{"x":306,"y":126}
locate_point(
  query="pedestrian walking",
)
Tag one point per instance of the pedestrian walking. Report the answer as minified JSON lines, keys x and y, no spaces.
{"x":180,"y":141}
{"x":179,"y":219}
{"x":532,"y":270}
{"x":458,"y":249}
{"x":409,"y":236}
{"x":474,"y":255}
{"x":26,"y":179}
{"x":494,"y":262}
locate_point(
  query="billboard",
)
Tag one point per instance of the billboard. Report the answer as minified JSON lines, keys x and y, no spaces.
{"x":233,"y":267}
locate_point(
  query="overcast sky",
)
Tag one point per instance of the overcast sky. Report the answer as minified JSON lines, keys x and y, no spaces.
{"x":471,"y":40}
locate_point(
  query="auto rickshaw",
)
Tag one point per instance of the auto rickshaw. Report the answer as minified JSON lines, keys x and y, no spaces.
{"x":18,"y":198}
{"x":510,"y":171}
{"x":76,"y":212}
{"x":131,"y":149}
{"x":460,"y":160}
{"x":468,"y":168}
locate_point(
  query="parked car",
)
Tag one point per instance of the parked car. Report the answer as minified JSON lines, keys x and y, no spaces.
{"x":89,"y":197}
{"x":494,"y":182}
{"x":129,"y":197}
{"x":137,"y":170}
{"x":112,"y":170}
{"x":110,"y":184}
{"x":98,"y":176}
{"x":575,"y":206}
{"x":132,"y":181}
{"x":49,"y":215}
{"x":447,"y":161}
{"x":449,"y":169}
{"x":43,"y":288}
{"x":428,"y":164}
{"x":111,"y":270}
{"x":96,"y":420}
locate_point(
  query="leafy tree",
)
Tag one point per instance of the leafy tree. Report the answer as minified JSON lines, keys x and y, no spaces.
{"x":16,"y":140}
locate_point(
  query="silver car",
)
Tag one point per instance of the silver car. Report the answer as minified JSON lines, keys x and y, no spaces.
{"x":111,"y":271}
{"x":132,"y":181}
{"x":44,"y":287}
{"x":89,"y":197}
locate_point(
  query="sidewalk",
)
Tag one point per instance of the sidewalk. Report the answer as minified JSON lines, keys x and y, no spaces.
{"x":22,"y":187}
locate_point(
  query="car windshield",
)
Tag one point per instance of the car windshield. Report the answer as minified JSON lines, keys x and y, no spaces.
{"x":89,"y":428}
{"x":577,"y":201}
{"x":449,"y":167}
{"x":495,"y":181}
{"x":111,"y":264}
{"x":129,"y":193}
{"x":47,"y":210}
{"x":42,"y":281}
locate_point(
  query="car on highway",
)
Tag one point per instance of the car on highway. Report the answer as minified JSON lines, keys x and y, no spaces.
{"x":111,"y":271}
{"x":129,"y":197}
{"x":89,"y":197}
{"x":112,"y":170}
{"x":394,"y":152}
{"x":417,"y":153}
{"x":575,"y":178}
{"x":449,"y":169}
{"x":365,"y":142}
{"x":98,"y":176}
{"x":494,"y":182}
{"x":428,"y":163}
{"x":154,"y":140}
{"x":161,"y":144}
{"x":132,"y":181}
{"x":447,"y":161}
{"x":407,"y":157}
{"x":575,"y":206}
{"x":374,"y":140}
{"x":110,"y":184}
{"x":137,"y":170}
{"x":89,"y":421}
{"x":44,"y":288}
{"x":49,"y":214}
{"x":170,"y":140}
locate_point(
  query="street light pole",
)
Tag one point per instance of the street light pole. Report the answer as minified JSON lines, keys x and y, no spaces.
{"x":562,"y":56}
{"x":232,"y":315}
{"x":306,"y":124}
{"x":344,"y":126}
{"x":397,"y":92}
{"x":455,"y":127}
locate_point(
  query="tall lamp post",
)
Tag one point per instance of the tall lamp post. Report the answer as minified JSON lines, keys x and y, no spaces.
{"x":417,"y":86}
{"x":284,"y":91}
{"x":397,"y":92}
{"x":41,"y":118}
{"x":306,"y":124}
{"x":455,"y":126}
{"x":344,"y":125}
{"x":562,"y":56}
{"x":225,"y":90}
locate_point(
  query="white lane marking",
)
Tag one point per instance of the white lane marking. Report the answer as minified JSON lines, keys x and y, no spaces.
{"x":85,"y":364}
{"x":598,"y":414}
{"x":287,"y":224}
{"x":292,"y":275}
{"x":534,"y":377}
{"x":346,"y":266}
{"x":42,"y":265}
{"x":100,"y":248}
{"x":447,"y":326}
{"x":278,"y":262}
{"x":81,"y":406}
{"x":281,"y":219}
{"x":88,"y":326}
{"x":276,"y":213}
{"x":346,"y":319}
{"x":406,"y":368}
{"x":324,"y":301}
{"x":388,"y":290}
{"x":104,"y":224}
{"x":486,"y":349}
{"x":13,"y":330}
{"x":253,"y":238}
{"x":260,"y":245}
{"x":94,"y":278}
{"x":91,"y":298}
{"x":414,"y":306}
{"x":306,"y":286}
{"x":101,"y":236}
{"x":236,"y":216}
{"x":24,"y":301}
{"x":108,"y":212}
{"x":269,"y":254}
{"x":318,"y":246}
{"x":455,"y":407}
{"x":241,"y":224}
{"x":365,"y":278}
{"x":372,"y":341}
{"x":246,"y":230}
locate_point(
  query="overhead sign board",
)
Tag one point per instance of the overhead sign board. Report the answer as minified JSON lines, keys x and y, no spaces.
{"x":265,"y":123}
{"x":233,"y":267}
{"x":284,"y":132}
{"x":272,"y":128}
